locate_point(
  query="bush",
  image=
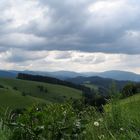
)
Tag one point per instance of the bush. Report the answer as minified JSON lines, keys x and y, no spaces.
{"x":15,"y":88}
{"x":129,"y":90}
{"x":54,"y":121}
{"x":1,"y":86}
{"x":74,"y":121}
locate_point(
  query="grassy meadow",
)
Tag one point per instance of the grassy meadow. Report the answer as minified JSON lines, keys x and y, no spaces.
{"x":21,"y":93}
{"x":63,"y":121}
{"x":48,"y":117}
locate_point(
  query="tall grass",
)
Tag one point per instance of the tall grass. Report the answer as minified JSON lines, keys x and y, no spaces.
{"x":4,"y":132}
{"x":67,"y":122}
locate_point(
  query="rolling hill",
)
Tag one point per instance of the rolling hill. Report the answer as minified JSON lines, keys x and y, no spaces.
{"x":21,"y":92}
{"x":14,"y":99}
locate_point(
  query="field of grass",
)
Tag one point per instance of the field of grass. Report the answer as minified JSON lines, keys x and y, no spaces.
{"x":22,"y":93}
{"x":131,"y":106}
{"x":14,"y":99}
{"x":62,"y":121}
{"x":120,"y":121}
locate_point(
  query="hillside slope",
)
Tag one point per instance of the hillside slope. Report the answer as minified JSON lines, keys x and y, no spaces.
{"x":14,"y":99}
{"x":48,"y":92}
{"x":129,"y":107}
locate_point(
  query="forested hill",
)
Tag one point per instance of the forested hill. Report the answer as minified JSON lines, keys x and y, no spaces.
{"x":98,"y":81}
{"x":51,"y":80}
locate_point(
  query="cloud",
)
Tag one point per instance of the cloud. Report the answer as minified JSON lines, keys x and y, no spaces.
{"x":18,"y":56}
{"x":81,"y":33}
{"x":68,"y":60}
{"x":88,"y":26}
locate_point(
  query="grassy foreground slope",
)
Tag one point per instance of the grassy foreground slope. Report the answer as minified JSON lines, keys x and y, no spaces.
{"x":121,"y":122}
{"x":19,"y":89}
{"x":131,"y":107}
{"x":124,"y":115}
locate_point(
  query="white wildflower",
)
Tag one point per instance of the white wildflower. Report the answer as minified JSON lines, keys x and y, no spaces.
{"x":41,"y":127}
{"x":96,"y":124}
{"x":84,"y":132}
{"x":78,"y":123}
{"x":65,"y":112}
{"x":121,"y":129}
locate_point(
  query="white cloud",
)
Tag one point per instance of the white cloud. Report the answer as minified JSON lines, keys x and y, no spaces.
{"x":92,"y":35}
{"x":68,"y":60}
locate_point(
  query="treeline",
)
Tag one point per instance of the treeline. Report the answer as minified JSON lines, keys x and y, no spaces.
{"x":130,"y":89}
{"x":103,"y":83}
{"x":51,"y":80}
{"x":88,"y":94}
{"x":91,"y":97}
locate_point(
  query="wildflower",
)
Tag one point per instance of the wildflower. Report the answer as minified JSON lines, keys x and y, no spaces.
{"x":121,"y":129}
{"x":41,"y":127}
{"x":84,"y":132}
{"x":96,"y":124}
{"x":64,"y":113}
{"x":78,"y":124}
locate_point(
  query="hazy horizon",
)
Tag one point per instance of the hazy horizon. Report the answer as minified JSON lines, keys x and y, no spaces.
{"x":68,"y":71}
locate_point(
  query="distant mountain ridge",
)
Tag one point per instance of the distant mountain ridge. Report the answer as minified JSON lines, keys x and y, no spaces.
{"x":7,"y":74}
{"x":113,"y":74}
{"x":117,"y":75}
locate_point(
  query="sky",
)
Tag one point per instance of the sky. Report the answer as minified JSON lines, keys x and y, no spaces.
{"x":73,"y":35}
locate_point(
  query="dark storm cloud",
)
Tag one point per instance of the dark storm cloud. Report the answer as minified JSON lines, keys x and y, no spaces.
{"x":83,"y":25}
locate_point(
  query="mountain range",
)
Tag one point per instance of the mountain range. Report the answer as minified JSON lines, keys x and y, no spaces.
{"x":63,"y":75}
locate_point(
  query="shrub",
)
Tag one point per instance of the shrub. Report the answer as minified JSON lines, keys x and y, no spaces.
{"x":74,"y":121}
{"x":1,"y":86}
{"x":54,"y":121}
{"x":15,"y":88}
{"x":129,"y":90}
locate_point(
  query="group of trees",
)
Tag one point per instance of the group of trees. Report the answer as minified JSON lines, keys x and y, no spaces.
{"x":88,"y":93}
{"x":1,"y":86}
{"x":91,"y":96}
{"x":130,"y":89}
{"x":94,"y":98}
{"x":51,"y":80}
